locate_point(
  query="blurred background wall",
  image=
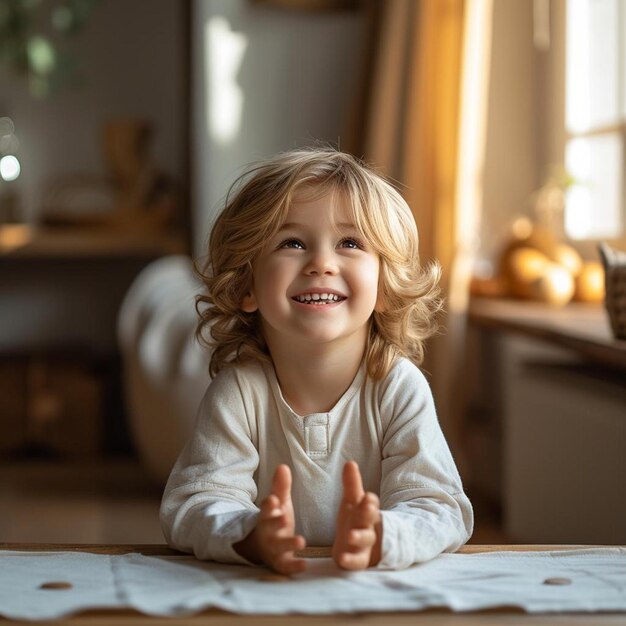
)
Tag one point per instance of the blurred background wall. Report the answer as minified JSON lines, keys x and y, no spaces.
{"x":132,"y":58}
{"x":266,"y":79}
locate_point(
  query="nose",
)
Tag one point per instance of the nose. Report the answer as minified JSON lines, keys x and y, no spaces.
{"x":321,"y":263}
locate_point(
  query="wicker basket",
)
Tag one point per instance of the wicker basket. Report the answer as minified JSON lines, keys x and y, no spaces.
{"x":614,"y":263}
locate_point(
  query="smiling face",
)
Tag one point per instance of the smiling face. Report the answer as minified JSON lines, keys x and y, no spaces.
{"x":316,"y":281}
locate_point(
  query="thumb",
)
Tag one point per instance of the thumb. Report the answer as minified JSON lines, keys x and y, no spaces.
{"x":281,"y":483}
{"x":352,"y":484}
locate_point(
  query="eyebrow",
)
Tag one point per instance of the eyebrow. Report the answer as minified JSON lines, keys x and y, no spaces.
{"x":288,"y":225}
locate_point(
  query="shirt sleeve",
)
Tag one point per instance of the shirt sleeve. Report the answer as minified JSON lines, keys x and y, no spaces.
{"x":424,"y":509}
{"x":208,"y":502}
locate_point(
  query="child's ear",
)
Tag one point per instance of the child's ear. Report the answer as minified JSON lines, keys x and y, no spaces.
{"x":248,"y":304}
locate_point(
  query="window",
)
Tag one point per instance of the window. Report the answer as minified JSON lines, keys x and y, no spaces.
{"x":595,"y":118}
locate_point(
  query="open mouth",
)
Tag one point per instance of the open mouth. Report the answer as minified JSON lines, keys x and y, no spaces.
{"x":318,"y":299}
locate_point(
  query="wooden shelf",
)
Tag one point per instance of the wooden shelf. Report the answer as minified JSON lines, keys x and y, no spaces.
{"x":22,"y":241}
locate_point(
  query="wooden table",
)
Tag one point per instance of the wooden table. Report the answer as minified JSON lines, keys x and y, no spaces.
{"x":213,"y":617}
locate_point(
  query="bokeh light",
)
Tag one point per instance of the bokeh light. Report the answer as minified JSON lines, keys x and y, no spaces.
{"x":9,"y":168}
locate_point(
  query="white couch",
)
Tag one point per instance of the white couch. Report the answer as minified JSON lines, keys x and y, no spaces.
{"x":165,"y":370}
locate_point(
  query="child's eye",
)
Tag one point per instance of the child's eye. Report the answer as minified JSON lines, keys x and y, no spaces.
{"x":351,"y":242}
{"x":292,"y":243}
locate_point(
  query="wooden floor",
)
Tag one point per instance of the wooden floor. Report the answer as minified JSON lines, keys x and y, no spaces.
{"x":109,"y":503}
{"x":113,"y":502}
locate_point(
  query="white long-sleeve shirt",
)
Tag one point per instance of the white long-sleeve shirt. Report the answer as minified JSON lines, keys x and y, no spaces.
{"x":245,"y":429}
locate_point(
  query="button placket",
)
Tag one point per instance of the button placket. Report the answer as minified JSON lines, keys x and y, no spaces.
{"x":317,"y":435}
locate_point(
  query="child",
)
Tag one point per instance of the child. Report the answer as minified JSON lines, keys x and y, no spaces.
{"x":318,"y":428}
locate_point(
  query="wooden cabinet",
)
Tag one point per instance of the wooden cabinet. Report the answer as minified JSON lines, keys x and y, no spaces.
{"x":547,"y":420}
{"x":53,"y":403}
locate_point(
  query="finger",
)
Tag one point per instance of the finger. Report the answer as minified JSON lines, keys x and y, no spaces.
{"x":360,"y":538}
{"x":274,"y":526}
{"x":281,"y":483}
{"x":270,"y":508}
{"x":352,"y":483}
{"x":288,"y":544}
{"x":286,"y":563}
{"x":367,"y":513}
{"x":353,"y":560}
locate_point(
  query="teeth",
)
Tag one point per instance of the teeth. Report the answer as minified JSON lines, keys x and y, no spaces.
{"x":318,"y":298}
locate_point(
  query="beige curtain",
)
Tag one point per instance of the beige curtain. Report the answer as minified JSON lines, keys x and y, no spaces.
{"x":423,"y":120}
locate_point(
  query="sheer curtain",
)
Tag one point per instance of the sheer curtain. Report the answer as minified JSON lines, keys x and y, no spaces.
{"x":424,"y":126}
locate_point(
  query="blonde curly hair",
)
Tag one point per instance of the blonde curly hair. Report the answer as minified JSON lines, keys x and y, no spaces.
{"x":255,"y":209}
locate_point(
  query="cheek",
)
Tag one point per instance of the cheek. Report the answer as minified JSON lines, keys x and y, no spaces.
{"x":273,"y":266}
{"x":380,"y":299}
{"x":369,"y":279}
{"x":271,"y":282}
{"x":372,"y":278}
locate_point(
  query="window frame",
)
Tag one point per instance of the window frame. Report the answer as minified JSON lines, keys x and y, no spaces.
{"x":617,"y":130}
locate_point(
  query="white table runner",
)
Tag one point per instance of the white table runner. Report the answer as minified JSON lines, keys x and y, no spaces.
{"x":550,"y":581}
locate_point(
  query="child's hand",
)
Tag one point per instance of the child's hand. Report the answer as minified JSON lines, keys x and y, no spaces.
{"x":359,"y":527}
{"x":273,"y":541}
